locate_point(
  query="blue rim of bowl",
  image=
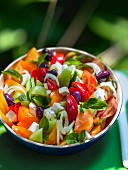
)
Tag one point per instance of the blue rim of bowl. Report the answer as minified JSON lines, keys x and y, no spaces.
{"x":99,"y":135}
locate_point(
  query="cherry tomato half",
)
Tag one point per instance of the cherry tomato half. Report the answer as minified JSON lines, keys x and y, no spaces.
{"x":89,"y":80}
{"x":39,"y":74}
{"x":58,"y":57}
{"x":72,"y":107}
{"x":83,"y":90}
{"x":51,"y":84}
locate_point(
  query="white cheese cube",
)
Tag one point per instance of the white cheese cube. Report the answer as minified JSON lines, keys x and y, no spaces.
{"x":63,"y":91}
{"x":57,"y":107}
{"x":34,"y":127}
{"x":32,"y":109}
{"x":100,"y":94}
{"x":49,"y":113}
{"x":11,"y":116}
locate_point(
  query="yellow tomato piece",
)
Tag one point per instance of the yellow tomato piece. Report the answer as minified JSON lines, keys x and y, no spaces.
{"x":52,"y":139}
{"x":56,"y":97}
{"x":95,"y":130}
{"x":23,"y":113}
{"x":26,"y":123}
{"x":5,"y":119}
{"x":3,"y":104}
{"x":32,"y":55}
{"x":24,"y":65}
{"x":84,"y":121}
{"x":21,"y":131}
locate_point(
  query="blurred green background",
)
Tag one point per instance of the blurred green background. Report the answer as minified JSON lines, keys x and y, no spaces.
{"x":99,"y":27}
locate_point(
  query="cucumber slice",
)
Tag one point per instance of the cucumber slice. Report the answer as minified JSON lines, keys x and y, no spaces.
{"x":64,"y":78}
{"x":37,"y":136}
{"x":37,"y":90}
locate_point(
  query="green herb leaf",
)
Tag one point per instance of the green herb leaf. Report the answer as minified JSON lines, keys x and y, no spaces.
{"x":43,"y":101}
{"x":14,"y":74}
{"x":73,"y":77}
{"x":73,"y":61}
{"x":42,"y":58}
{"x":93,"y":103}
{"x":81,"y":137}
{"x":71,"y":138}
{"x":44,"y":124}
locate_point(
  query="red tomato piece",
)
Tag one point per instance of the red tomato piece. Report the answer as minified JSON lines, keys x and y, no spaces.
{"x":111,"y":110}
{"x":72,"y":107}
{"x":58,"y":57}
{"x":15,"y":107}
{"x":51,"y":84}
{"x":83,"y":90}
{"x":72,"y":90}
{"x":39,"y":74}
{"x":89,"y":80}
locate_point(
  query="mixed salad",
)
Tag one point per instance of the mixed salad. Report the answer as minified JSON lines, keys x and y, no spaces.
{"x":57,"y":98}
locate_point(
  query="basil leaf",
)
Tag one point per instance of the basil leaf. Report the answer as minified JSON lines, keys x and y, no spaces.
{"x":44,"y":123}
{"x":43,"y":101}
{"x":94,"y":103}
{"x":82,"y":136}
{"x":42,"y":58}
{"x":71,"y":138}
{"x":14,"y":74}
{"x":73,"y":61}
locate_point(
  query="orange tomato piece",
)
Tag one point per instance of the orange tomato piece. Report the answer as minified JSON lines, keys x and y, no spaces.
{"x":21,"y":131}
{"x":56,"y":97}
{"x":84,"y":121}
{"x":3,"y":104}
{"x":24,"y":65}
{"x":95,"y":130}
{"x":5,"y":119}
{"x":26,"y":123}
{"x":32,"y":55}
{"x":89,"y":80}
{"x":23,"y":113}
{"x":52,"y":139}
{"x":10,"y":83}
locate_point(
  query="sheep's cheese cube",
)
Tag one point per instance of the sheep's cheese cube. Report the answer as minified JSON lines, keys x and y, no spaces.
{"x":63,"y":91}
{"x":11,"y":116}
{"x":49,"y":113}
{"x":100,"y":94}
{"x":34,"y":127}
{"x":57,"y":107}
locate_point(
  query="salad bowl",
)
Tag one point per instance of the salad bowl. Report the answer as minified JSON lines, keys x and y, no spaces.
{"x":71,"y":59}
